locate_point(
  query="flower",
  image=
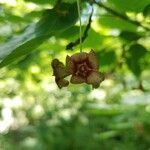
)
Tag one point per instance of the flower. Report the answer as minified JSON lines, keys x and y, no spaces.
{"x":83,"y":68}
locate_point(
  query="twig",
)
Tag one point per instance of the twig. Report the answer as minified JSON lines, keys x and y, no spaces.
{"x":124,"y":17}
{"x":85,"y":34}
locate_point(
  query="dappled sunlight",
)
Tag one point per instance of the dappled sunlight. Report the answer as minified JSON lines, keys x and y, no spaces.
{"x":147,"y":108}
{"x":98,"y":94}
{"x":9,"y":2}
{"x":7,"y":119}
{"x":35,"y":114}
{"x":136,"y":97}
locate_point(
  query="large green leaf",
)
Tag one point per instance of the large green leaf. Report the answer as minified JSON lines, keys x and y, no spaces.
{"x":146,"y":11}
{"x":116,"y":23}
{"x":41,"y":1}
{"x":10,"y":17}
{"x":70,"y":1}
{"x":94,"y":40}
{"x":107,"y":59}
{"x":49,"y":1}
{"x":69,"y":34}
{"x":130,"y":36}
{"x":135,"y":57}
{"x":129,"y":5}
{"x":53,"y":21}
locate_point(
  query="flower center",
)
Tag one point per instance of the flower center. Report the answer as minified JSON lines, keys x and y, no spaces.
{"x":82,"y":70}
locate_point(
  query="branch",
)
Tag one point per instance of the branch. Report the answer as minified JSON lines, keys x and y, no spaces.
{"x":85,"y":34}
{"x":124,"y":17}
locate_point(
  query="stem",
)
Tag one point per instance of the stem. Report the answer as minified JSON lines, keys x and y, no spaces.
{"x":84,"y":34}
{"x":80,"y":30}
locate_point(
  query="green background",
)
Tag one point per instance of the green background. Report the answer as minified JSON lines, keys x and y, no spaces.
{"x":35,"y":114}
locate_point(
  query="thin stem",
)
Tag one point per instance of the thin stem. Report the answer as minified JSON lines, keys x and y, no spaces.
{"x":84,"y":34}
{"x":80,"y":30}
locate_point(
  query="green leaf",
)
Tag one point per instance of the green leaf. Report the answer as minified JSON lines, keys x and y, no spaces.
{"x":107,"y":59}
{"x":41,"y":1}
{"x":129,"y":5}
{"x":69,"y":34}
{"x":136,"y":53}
{"x":146,"y":11}
{"x":53,"y":21}
{"x":107,"y":135}
{"x":129,"y":36}
{"x":10,"y":17}
{"x":94,"y":40}
{"x":72,"y":34}
{"x":69,"y":1}
{"x":32,"y":15}
{"x":116,"y":23}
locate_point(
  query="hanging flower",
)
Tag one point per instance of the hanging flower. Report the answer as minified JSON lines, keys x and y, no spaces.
{"x":83,"y":68}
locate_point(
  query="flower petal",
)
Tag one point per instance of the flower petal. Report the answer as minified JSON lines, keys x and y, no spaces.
{"x":59,"y":70}
{"x":77,"y":79}
{"x":79,"y":57}
{"x":95,"y":78}
{"x":93,"y":60}
{"x":69,"y":64}
{"x":61,"y":82}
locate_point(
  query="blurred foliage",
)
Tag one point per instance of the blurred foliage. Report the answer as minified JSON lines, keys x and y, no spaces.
{"x":35,"y":114}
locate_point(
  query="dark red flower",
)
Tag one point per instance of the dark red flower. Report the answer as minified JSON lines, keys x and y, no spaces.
{"x":82,"y":66}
